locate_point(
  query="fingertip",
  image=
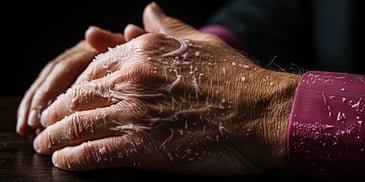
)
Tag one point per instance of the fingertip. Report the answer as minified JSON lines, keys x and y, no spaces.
{"x":21,"y":119}
{"x":101,"y":39}
{"x":62,"y":159}
{"x":22,"y":128}
{"x":94,"y":29}
{"x":19,"y":124}
{"x":155,"y":8}
{"x":151,"y":17}
{"x":55,"y":159}
{"x":132,"y":31}
{"x":42,"y":144}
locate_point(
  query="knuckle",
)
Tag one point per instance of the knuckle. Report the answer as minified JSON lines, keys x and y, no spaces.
{"x":107,"y":62}
{"x":75,"y":127}
{"x":133,"y":107}
{"x":136,"y":73}
{"x":78,"y":95}
{"x":84,"y":94}
{"x":92,"y":154}
{"x":157,"y":41}
{"x":51,"y":140}
{"x":88,"y":154}
{"x":139,"y":73}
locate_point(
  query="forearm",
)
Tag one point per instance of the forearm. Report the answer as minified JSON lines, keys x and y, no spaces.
{"x":278,"y":112}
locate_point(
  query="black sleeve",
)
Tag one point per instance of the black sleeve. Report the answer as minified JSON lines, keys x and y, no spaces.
{"x":273,"y":31}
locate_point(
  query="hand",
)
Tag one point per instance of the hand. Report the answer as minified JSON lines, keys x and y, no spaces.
{"x":174,"y":100}
{"x":59,"y":74}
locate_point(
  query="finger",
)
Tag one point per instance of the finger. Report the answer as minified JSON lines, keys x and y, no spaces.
{"x":101,"y":39}
{"x":103,"y":65}
{"x":81,"y":97}
{"x":74,"y":129}
{"x":155,"y":20}
{"x":87,"y":95}
{"x":103,"y":153}
{"x":114,"y":60}
{"x":132,"y":31}
{"x":23,"y":109}
{"x":89,"y":125}
{"x":64,"y":73}
{"x":25,"y":105}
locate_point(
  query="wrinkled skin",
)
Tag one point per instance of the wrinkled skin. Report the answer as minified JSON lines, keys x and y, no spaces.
{"x":59,"y":74}
{"x":174,"y":100}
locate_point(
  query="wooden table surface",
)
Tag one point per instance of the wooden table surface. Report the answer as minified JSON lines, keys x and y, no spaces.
{"x":19,"y":162}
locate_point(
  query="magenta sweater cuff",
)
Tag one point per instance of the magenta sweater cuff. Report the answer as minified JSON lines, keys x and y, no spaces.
{"x":225,"y":34}
{"x":326,"y":129}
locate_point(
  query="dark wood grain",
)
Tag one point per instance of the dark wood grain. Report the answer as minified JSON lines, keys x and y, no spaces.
{"x":19,"y":162}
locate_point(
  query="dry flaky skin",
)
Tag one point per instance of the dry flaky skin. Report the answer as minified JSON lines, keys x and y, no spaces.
{"x":174,"y":100}
{"x":53,"y":80}
{"x":59,"y":74}
{"x":171,"y":104}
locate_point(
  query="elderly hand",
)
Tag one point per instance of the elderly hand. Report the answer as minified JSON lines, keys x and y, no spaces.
{"x":175,"y":100}
{"x":59,"y":74}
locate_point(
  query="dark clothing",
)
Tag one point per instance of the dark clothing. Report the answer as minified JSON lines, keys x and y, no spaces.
{"x":297,"y":34}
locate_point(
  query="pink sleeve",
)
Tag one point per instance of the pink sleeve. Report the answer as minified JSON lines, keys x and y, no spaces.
{"x":225,"y":34}
{"x":326,"y":132}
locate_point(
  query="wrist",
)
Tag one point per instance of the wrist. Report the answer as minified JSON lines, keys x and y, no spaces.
{"x":276,"y":122}
{"x":266,"y":129}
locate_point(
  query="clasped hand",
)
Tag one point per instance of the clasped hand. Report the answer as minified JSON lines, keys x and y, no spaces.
{"x":170,"y":101}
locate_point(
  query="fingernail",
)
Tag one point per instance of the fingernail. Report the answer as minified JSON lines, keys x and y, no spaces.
{"x":33,"y":118}
{"x":44,"y":117}
{"x":36,"y":145}
{"x":54,"y":159}
{"x":19,"y":124}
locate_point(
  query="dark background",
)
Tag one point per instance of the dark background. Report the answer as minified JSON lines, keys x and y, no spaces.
{"x":33,"y":32}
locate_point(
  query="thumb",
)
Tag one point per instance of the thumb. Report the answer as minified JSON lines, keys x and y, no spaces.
{"x":155,"y":20}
